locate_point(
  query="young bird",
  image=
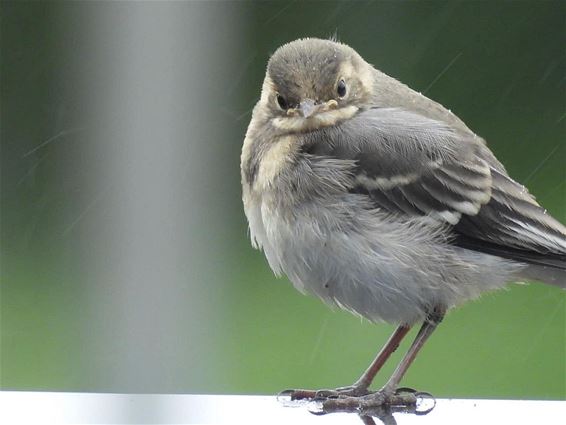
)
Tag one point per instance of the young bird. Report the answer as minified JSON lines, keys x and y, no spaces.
{"x":382,"y":202}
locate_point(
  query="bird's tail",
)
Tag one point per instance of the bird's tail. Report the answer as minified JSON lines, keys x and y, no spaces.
{"x":551,"y":275}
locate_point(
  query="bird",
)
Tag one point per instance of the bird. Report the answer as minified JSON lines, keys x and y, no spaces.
{"x":382,"y":202}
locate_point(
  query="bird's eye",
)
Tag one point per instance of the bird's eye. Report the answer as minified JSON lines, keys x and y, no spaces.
{"x":282,"y":102}
{"x":341,"y":88}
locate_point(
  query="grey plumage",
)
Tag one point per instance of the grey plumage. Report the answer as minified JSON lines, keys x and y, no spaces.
{"x":410,"y":165}
{"x":384,"y":203}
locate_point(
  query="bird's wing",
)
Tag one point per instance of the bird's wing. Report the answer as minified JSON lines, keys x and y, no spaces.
{"x":412,"y":165}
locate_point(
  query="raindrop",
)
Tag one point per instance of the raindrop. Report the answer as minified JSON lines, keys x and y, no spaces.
{"x":425,"y":403}
{"x":316,"y":407}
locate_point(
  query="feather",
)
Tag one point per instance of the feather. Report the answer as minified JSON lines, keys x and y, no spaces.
{"x":408,"y":164}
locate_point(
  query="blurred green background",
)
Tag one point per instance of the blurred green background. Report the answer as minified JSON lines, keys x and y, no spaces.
{"x":126,"y":265}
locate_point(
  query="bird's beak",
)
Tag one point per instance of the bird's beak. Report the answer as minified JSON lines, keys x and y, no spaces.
{"x":308,"y":108}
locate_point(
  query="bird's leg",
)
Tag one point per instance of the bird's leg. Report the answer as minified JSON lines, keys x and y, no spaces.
{"x":428,"y":327}
{"x":360,"y":387}
{"x":388,"y":394}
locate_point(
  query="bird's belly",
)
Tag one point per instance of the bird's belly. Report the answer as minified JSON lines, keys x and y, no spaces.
{"x":344,"y":264}
{"x":365,"y":264}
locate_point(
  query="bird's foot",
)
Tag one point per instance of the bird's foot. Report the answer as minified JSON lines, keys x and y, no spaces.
{"x":341,"y":392}
{"x":403,"y":397}
{"x":382,"y":402}
{"x":360,"y":400}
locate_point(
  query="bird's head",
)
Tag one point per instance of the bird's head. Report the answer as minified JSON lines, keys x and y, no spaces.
{"x":313,"y":83}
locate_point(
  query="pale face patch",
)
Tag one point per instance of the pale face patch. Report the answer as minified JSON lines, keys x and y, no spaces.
{"x":358,"y":79}
{"x":298,"y":124}
{"x":267,"y":90}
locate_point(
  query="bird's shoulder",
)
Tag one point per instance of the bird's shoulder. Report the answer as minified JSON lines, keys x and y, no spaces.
{"x":409,"y":164}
